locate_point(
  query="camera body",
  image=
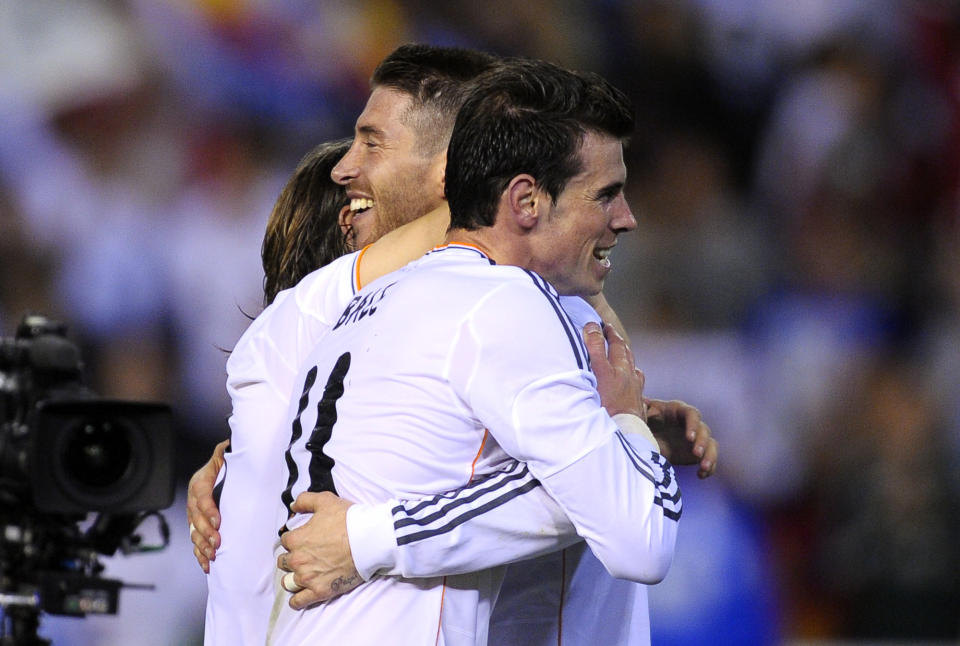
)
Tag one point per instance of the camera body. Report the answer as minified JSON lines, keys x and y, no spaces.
{"x":65,"y":450}
{"x":100,"y":455}
{"x":66,"y":453}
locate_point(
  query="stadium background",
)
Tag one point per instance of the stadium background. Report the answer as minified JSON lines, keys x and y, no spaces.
{"x":796,"y":273}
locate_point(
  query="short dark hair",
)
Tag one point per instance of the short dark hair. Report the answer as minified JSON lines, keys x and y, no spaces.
{"x":525,"y":116}
{"x":438,"y":80}
{"x":303,"y":232}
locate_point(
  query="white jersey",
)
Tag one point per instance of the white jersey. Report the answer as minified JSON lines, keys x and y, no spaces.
{"x":261,"y":374}
{"x":443,"y":376}
{"x":563,"y":596}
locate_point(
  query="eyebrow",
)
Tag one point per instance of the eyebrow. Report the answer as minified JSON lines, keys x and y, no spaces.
{"x":369,"y":130}
{"x":609,"y":190}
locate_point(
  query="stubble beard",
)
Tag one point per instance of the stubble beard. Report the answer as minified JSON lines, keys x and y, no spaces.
{"x":407,"y":199}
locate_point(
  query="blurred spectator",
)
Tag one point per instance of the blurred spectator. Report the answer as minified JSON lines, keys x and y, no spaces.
{"x":212,"y":257}
{"x":699,"y":260}
{"x":886,"y":546}
{"x":796,"y":177}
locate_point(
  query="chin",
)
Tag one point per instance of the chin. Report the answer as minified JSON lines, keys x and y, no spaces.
{"x":583,"y":291}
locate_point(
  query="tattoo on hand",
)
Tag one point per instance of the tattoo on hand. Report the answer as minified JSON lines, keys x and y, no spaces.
{"x":344,"y":583}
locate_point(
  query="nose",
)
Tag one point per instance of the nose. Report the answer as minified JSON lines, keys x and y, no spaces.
{"x":347,"y":168}
{"x":623,"y":220}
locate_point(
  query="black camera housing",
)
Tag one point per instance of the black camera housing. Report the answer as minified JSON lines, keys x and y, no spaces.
{"x":65,"y":453}
{"x":63,"y":449}
{"x":98,"y":455}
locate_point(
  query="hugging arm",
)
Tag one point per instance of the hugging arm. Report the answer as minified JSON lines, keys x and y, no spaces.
{"x":500,"y":518}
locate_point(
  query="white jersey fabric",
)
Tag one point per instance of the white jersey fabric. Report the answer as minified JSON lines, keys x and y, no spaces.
{"x":455,"y":374}
{"x":564,"y":596}
{"x":261,"y":374}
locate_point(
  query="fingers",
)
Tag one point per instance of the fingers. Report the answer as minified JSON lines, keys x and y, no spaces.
{"x":617,"y":349}
{"x":293,"y":582}
{"x":619,"y":384}
{"x":311,"y":592}
{"x":304,"y":598}
{"x":605,"y":345}
{"x":313,"y":502}
{"x":708,"y":463}
{"x":218,"y":451}
{"x":203,"y":548}
{"x":594,"y":340}
{"x":289,"y":582}
{"x":704,"y":445}
{"x":202,"y":512}
{"x":310,"y":587}
{"x":204,"y":519}
{"x":202,"y":560}
{"x":653,"y":407}
{"x":695,"y":428}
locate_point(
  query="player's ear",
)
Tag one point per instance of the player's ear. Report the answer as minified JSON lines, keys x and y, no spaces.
{"x":345,"y":221}
{"x":439,"y":172}
{"x":522,"y":195}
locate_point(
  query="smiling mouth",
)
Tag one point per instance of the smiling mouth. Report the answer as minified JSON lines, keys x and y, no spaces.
{"x":360,"y":204}
{"x":603,"y":256}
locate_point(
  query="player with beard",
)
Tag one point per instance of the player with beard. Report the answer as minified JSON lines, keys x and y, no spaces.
{"x":377,"y":148}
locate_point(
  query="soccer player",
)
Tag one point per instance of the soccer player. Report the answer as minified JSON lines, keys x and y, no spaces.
{"x":445,"y":373}
{"x":308,"y":208}
{"x":264,"y":361}
{"x":245,"y":381}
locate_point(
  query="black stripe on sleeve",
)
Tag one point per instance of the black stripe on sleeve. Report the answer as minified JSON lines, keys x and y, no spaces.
{"x":444,"y":513}
{"x":459,"y":520}
{"x":457,"y":499}
{"x":666,"y":490}
{"x":552,"y":298}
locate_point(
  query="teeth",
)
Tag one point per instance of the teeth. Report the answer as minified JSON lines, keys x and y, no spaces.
{"x":360,"y":204}
{"x":603,"y":255}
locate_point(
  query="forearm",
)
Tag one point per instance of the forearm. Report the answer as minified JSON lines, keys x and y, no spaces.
{"x":632,"y":532}
{"x":502,"y":518}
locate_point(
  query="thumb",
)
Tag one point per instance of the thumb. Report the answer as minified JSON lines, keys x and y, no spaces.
{"x":653,"y":408}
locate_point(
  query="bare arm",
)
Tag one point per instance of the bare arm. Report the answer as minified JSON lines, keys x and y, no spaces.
{"x":400,"y":246}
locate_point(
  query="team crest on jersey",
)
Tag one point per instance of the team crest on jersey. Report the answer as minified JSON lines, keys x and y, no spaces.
{"x":361,"y":306}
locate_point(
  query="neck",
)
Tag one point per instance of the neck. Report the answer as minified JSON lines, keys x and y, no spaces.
{"x":503,"y":249}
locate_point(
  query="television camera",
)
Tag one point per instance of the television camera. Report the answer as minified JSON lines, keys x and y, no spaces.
{"x":79,"y":475}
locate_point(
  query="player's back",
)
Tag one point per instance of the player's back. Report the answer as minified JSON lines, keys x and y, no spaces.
{"x":379,"y":381}
{"x":378,"y":419}
{"x":260,"y":375}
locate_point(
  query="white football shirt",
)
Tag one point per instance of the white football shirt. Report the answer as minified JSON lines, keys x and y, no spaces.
{"x":260,"y":379}
{"x":441,"y":376}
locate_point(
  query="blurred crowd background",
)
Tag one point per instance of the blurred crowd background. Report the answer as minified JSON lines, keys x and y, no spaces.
{"x":795,"y":274}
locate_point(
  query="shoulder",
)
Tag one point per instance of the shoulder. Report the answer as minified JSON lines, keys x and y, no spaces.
{"x":524,"y":312}
{"x":339,"y":276}
{"x":580,"y":311}
{"x":294,"y":321}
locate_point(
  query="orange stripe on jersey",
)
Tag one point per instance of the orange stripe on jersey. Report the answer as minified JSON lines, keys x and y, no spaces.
{"x":443,"y":593}
{"x":356,"y":268}
{"x":473,"y":465}
{"x":461,"y":244}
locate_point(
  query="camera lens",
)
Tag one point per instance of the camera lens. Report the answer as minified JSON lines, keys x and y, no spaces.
{"x":101,"y":455}
{"x":97,"y":454}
